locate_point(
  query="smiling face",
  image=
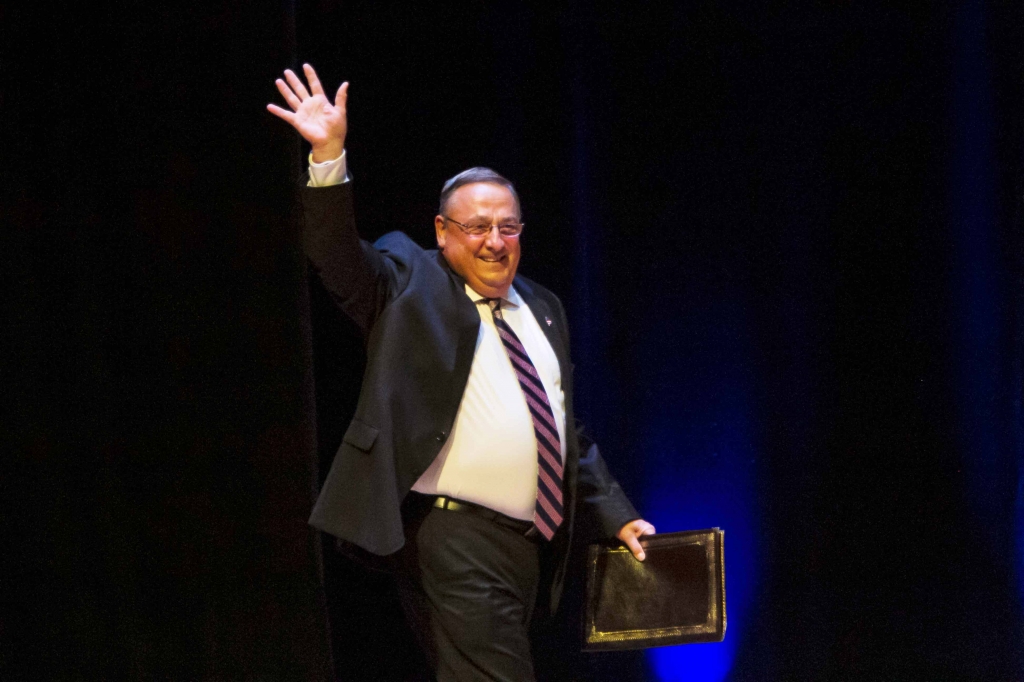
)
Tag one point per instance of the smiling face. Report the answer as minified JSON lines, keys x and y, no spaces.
{"x":488,"y":263}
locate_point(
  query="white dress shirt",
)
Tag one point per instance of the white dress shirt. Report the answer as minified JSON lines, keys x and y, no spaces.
{"x":490,"y":457}
{"x":327,"y":173}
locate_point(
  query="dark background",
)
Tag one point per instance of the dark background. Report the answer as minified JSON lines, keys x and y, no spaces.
{"x":788,"y":236}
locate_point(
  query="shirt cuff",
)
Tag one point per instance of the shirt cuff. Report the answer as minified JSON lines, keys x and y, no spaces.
{"x":327,"y":173}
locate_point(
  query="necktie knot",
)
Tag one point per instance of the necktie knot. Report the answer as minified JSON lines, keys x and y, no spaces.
{"x":495,"y":305}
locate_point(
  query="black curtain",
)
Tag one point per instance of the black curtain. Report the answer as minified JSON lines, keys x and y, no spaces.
{"x":808,"y":214}
{"x":157,"y":369}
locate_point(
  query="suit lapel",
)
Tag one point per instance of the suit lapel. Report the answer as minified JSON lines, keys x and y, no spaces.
{"x":467,"y":321}
{"x":549,"y":323}
{"x":468,"y":326}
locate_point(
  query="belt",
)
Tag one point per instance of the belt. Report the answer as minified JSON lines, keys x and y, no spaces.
{"x":524,"y":528}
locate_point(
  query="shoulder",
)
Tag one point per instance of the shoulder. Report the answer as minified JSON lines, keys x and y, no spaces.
{"x":413,"y":266}
{"x":544,"y":304}
{"x":400,"y":245}
{"x":530,"y":289}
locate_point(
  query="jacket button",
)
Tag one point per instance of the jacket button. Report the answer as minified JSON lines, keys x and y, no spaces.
{"x":441,"y":436}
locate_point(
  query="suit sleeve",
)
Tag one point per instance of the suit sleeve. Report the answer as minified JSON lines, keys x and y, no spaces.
{"x":603,"y":506}
{"x":602,"y":500}
{"x":358,"y":277}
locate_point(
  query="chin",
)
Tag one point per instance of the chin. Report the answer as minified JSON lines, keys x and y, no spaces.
{"x":495,"y":288}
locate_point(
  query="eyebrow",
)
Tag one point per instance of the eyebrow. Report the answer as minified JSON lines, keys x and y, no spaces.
{"x":479,"y":219}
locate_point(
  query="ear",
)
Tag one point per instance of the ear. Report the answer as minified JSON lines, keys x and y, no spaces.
{"x":440,"y":230}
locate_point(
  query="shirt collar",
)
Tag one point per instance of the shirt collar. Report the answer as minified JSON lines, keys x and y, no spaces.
{"x":512,"y":299}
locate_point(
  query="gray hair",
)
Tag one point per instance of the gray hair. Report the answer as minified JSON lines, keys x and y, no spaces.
{"x":470,"y":176}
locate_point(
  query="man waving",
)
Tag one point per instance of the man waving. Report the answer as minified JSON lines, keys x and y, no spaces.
{"x":463,"y":461}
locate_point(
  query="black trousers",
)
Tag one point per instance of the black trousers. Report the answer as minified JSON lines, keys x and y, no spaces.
{"x":468,"y":588}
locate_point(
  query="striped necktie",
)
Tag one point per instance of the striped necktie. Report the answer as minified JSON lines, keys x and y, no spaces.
{"x":547,"y":516}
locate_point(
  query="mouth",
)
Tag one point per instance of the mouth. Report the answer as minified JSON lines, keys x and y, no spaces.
{"x":493,"y":259}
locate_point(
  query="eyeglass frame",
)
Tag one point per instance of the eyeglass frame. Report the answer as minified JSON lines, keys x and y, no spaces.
{"x":466,"y":228}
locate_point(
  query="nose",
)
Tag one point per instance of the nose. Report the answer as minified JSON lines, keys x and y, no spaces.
{"x":494,"y":241}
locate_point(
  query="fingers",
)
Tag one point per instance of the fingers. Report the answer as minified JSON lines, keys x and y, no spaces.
{"x":281,"y":113}
{"x":634,"y":547}
{"x":296,"y":84}
{"x":314,"y":81}
{"x":312,"y":115}
{"x":630,"y":533}
{"x":289,"y":96}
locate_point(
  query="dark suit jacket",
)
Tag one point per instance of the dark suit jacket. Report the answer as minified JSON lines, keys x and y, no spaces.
{"x":420,"y":330}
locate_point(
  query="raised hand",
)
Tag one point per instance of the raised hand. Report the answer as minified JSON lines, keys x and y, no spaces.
{"x":322,"y":124}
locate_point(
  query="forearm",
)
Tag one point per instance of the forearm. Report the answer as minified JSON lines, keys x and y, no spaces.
{"x":353,"y":272}
{"x":607,"y":504}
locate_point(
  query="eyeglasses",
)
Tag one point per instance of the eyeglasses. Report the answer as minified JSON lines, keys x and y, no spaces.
{"x":505,"y":229}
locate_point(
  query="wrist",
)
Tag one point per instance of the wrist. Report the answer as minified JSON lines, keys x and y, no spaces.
{"x":328,"y":151}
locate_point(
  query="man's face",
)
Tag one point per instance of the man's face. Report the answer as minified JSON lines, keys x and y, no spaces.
{"x":488,"y":262}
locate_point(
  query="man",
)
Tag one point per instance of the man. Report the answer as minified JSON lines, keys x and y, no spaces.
{"x":463,"y":461}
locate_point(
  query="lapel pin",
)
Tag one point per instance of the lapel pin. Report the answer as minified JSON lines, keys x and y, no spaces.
{"x":548,"y":320}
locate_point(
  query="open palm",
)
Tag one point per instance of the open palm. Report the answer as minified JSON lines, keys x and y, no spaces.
{"x":321,"y":123}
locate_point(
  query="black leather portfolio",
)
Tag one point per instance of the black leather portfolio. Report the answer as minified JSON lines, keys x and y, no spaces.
{"x":675,"y":596}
